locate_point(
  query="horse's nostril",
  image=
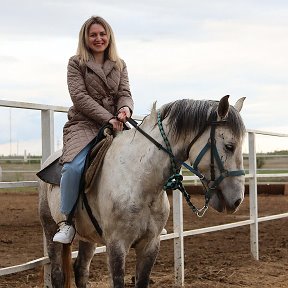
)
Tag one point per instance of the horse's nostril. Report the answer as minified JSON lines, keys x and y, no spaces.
{"x":237,"y":203}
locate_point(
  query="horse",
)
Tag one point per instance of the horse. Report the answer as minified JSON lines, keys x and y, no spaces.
{"x":128,"y":199}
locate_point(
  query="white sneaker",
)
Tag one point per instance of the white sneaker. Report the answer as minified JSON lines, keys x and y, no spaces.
{"x":65,"y":233}
{"x":163,"y":232}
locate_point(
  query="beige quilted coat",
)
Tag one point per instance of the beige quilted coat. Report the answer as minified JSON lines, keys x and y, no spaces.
{"x":97,"y":94}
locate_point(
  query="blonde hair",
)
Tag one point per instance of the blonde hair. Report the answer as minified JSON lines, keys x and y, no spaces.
{"x":83,"y":51}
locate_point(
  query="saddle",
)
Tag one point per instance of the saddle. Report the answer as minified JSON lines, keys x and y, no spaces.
{"x":51,"y":173}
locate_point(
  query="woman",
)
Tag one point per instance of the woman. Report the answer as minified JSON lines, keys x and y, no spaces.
{"x":99,"y":88}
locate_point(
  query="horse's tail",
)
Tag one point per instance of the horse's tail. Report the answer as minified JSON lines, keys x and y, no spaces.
{"x":67,"y":264}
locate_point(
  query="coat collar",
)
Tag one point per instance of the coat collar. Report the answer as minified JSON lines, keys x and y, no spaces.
{"x":101,"y":72}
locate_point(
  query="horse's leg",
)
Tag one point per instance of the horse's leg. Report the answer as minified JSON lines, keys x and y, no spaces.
{"x":116,"y":259}
{"x":54,"y":252}
{"x":82,"y":263}
{"x":146,"y":254}
{"x":54,"y":249}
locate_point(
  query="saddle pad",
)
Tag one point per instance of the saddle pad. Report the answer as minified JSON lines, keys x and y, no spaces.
{"x":96,"y":158}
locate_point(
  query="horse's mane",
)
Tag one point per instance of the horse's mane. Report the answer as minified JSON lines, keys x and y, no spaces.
{"x":190,"y":116}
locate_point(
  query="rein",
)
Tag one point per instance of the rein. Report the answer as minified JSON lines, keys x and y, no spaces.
{"x":175,"y":181}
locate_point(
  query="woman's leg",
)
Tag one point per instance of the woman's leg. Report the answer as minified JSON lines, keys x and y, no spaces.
{"x":70,"y":180}
{"x":69,"y":187}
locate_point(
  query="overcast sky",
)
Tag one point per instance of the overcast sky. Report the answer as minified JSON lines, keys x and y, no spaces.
{"x":173,"y":49}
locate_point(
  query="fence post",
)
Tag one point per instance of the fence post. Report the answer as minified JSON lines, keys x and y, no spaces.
{"x":47,"y":126}
{"x":25,"y":156}
{"x":47,"y":123}
{"x":178,"y":241}
{"x":254,"y":242}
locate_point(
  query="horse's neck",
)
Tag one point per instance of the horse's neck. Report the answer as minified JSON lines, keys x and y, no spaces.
{"x":152,"y":165}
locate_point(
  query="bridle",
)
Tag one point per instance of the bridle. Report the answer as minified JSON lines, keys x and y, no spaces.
{"x":175,"y":181}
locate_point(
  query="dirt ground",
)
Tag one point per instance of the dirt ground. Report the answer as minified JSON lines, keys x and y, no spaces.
{"x":218,"y":259}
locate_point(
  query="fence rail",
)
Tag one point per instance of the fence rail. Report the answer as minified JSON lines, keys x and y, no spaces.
{"x":47,"y":123}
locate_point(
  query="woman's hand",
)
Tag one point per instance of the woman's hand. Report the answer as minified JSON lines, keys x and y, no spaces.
{"x":117,"y":125}
{"x":123,"y":114}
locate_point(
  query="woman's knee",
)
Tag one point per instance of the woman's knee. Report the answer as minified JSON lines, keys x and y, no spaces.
{"x":70,"y":169}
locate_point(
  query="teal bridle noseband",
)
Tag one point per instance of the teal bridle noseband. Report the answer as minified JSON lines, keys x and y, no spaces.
{"x":175,"y":180}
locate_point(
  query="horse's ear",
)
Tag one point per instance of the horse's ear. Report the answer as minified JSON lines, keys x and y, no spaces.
{"x":239,"y":104}
{"x":223,"y":107}
{"x":153,"y":113}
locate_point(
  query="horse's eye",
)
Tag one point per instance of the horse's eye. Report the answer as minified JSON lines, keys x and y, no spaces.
{"x":230,"y":147}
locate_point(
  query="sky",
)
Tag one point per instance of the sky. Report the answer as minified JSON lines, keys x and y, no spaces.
{"x":173,"y":50}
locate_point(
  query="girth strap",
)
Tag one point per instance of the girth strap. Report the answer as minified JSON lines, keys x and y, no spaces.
{"x":90,"y":214}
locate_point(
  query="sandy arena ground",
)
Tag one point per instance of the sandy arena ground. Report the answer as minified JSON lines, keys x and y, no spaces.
{"x":214,"y":260}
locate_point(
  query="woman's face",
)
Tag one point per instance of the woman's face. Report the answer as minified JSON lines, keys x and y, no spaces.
{"x":97,"y":39}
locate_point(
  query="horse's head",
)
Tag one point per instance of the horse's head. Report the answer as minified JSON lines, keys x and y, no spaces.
{"x":221,"y":162}
{"x":209,"y":135}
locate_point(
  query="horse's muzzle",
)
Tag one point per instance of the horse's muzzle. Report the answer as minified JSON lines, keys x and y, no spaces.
{"x":219,"y":203}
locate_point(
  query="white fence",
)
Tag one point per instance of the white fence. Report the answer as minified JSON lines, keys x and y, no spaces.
{"x":47,"y":122}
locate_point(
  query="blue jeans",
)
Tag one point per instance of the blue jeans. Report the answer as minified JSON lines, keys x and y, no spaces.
{"x":70,"y":180}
